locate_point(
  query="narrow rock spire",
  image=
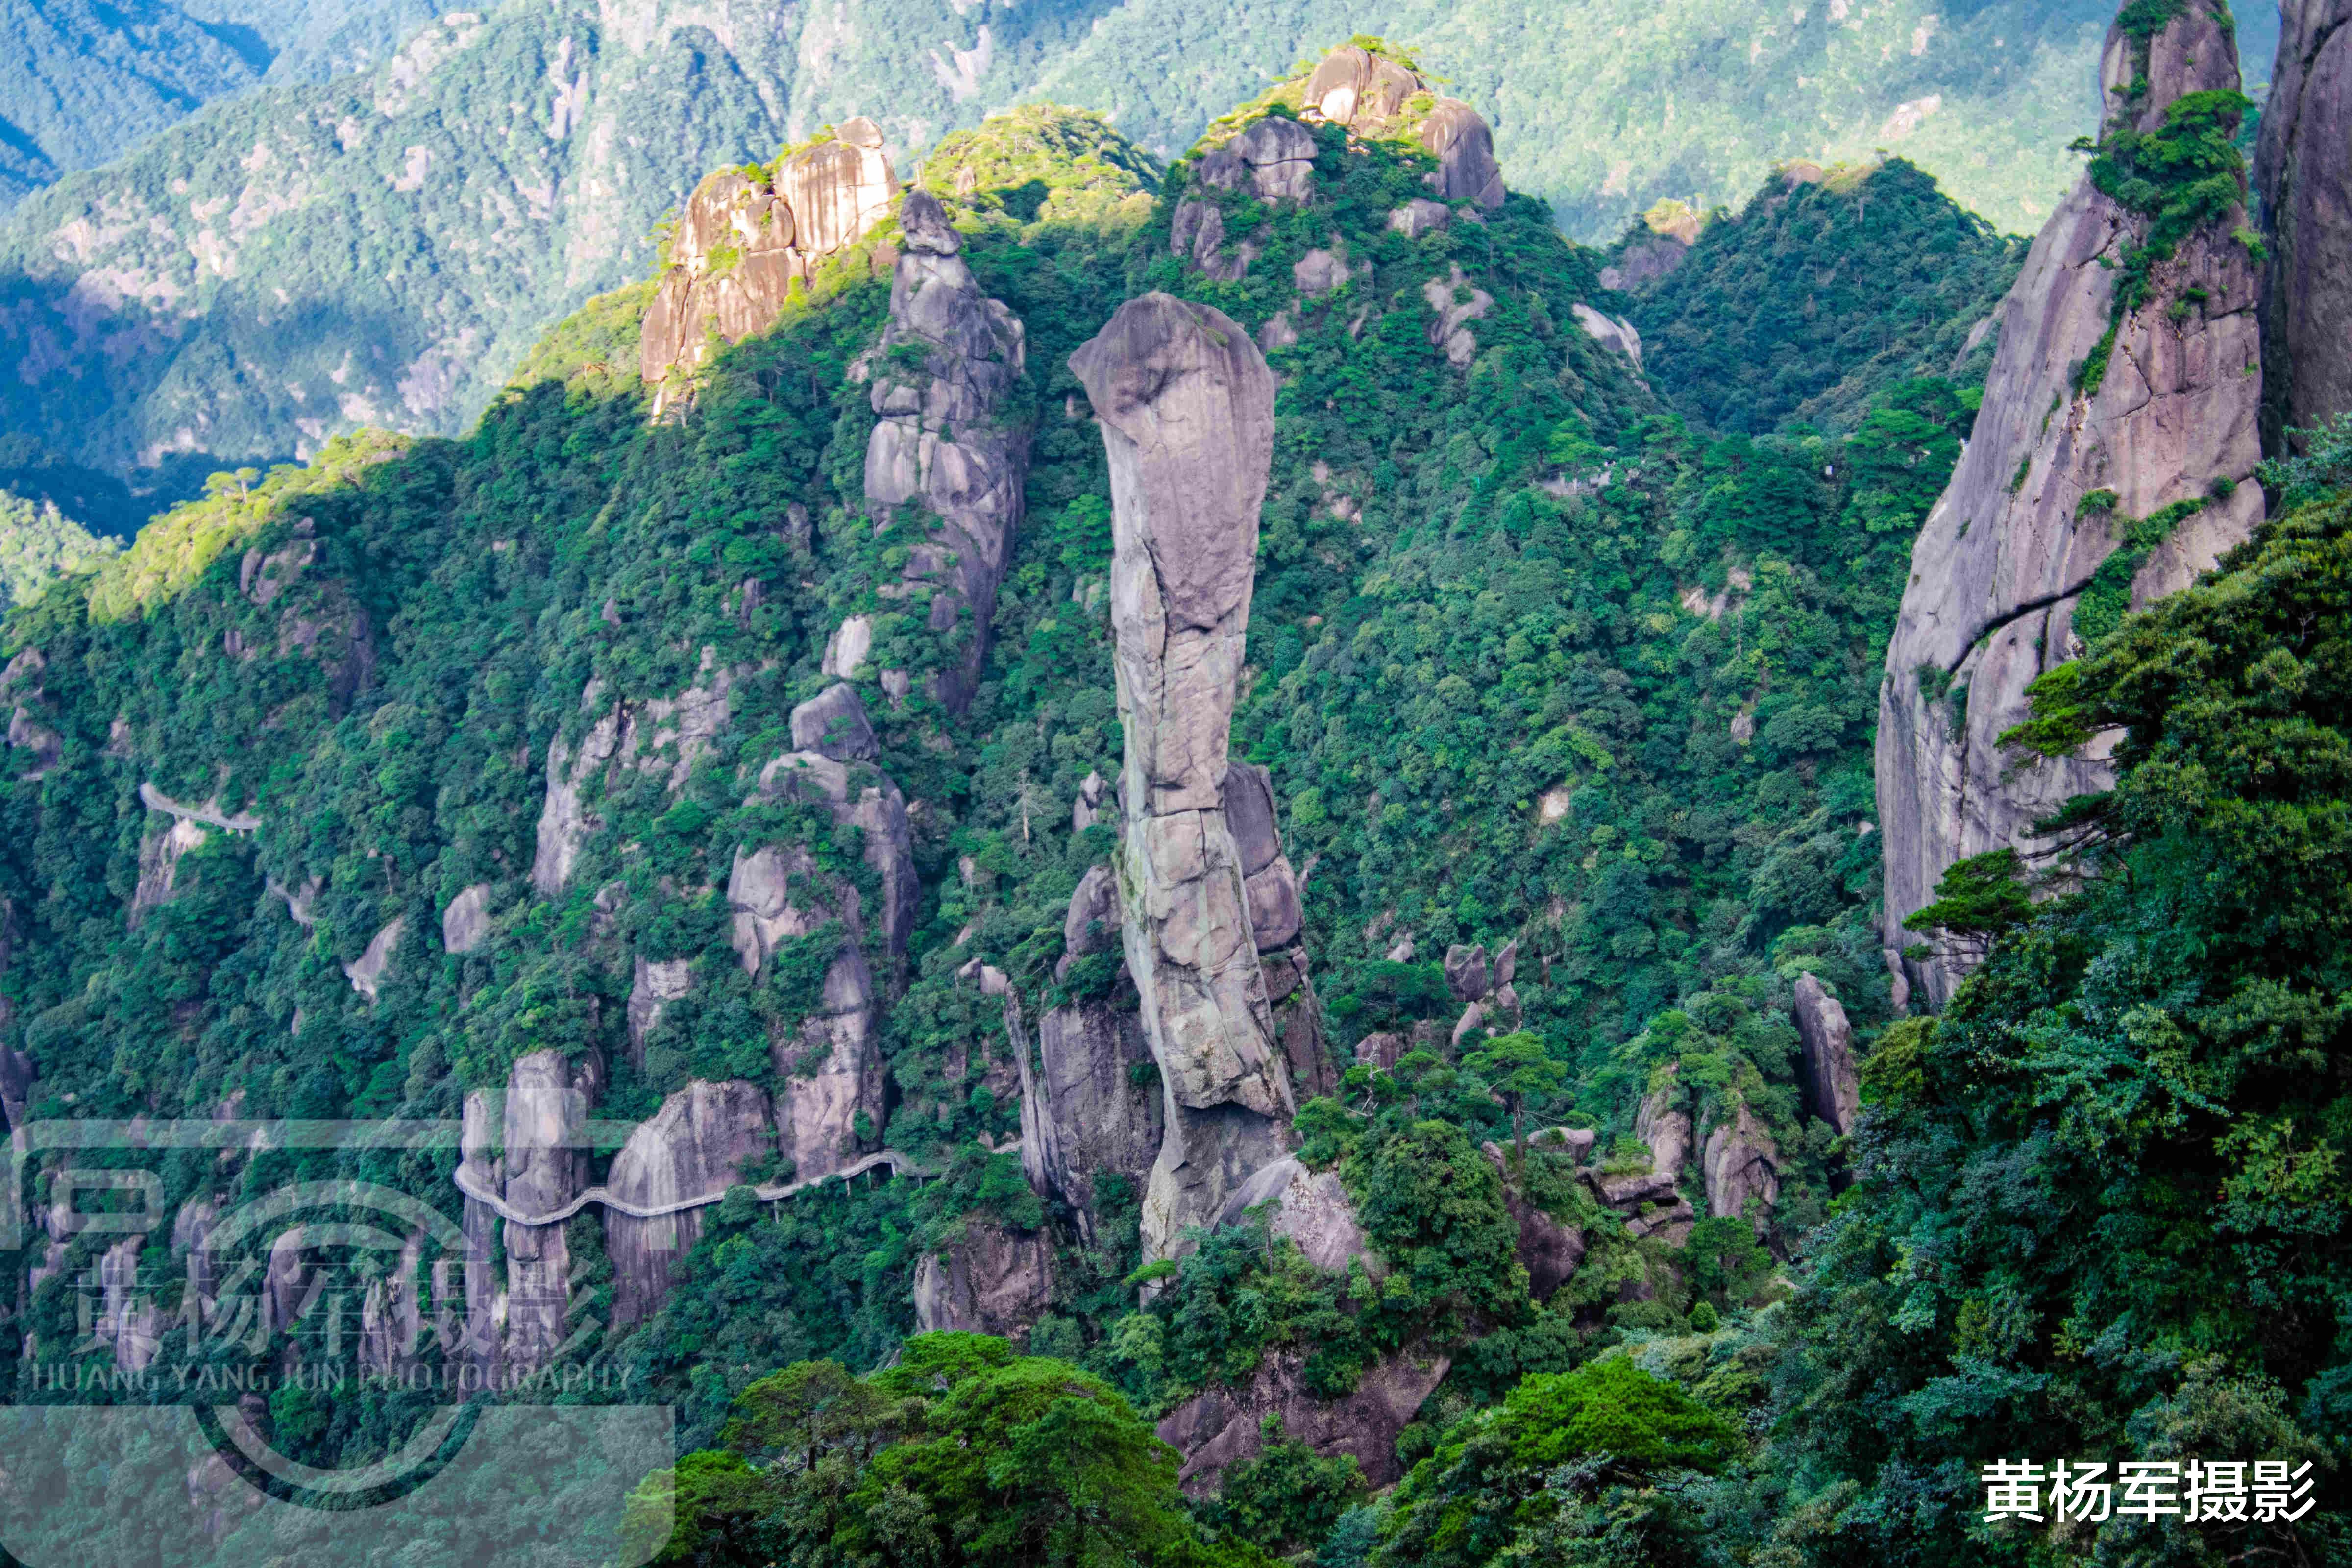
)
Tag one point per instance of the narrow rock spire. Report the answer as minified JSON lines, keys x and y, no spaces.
{"x":1186,"y":405}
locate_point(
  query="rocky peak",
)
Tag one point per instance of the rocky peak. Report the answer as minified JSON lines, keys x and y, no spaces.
{"x":1371,"y":94}
{"x":744,"y":238}
{"x":2305,"y":176}
{"x":2092,"y":425}
{"x":1351,"y":84}
{"x":943,"y":443}
{"x":1185,"y":402}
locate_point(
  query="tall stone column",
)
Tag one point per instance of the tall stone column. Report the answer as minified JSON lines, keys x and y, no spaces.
{"x":1186,"y":405}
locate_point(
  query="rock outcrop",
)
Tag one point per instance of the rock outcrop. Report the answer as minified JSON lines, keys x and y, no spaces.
{"x":16,"y":1080}
{"x":941,"y":379}
{"x":1093,"y":1107}
{"x":663,"y":736}
{"x":1742,"y":1162}
{"x":1351,"y":84}
{"x":1465,"y":145}
{"x":2302,"y":168}
{"x":1665,"y":1126}
{"x":1826,"y":1071}
{"x":1373,"y":95}
{"x":467,"y":921}
{"x":830,"y":1064}
{"x":540,"y":1124}
{"x":1311,"y":1209}
{"x":1550,"y":1249}
{"x":994,"y":1280}
{"x":741,"y":243}
{"x":1185,"y":402}
{"x":1223,"y":1426}
{"x":700,"y":1140}
{"x":2044,"y":493}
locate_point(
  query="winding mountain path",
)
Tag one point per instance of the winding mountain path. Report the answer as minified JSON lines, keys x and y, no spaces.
{"x":471,"y":1183}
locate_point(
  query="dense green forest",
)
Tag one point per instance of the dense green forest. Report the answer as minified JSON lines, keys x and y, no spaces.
{"x":1543,"y":650}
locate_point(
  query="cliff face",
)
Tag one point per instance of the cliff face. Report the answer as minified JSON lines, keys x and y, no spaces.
{"x":741,"y":244}
{"x":1186,"y":405}
{"x":2021,"y":533}
{"x":2305,"y":176}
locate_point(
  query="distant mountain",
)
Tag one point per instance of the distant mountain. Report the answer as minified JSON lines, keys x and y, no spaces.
{"x":382,"y":249}
{"x":82,"y":83}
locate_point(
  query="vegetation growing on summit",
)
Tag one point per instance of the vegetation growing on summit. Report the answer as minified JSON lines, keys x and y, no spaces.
{"x":1827,"y":286}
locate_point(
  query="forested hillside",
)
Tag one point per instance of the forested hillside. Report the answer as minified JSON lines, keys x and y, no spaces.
{"x":304,"y":259}
{"x":81,"y":84}
{"x":735,"y":793}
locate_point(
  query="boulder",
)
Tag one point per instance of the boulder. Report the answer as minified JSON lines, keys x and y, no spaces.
{"x":465,"y":922}
{"x":1223,"y":1426}
{"x":833,"y":723}
{"x":1998,"y":566}
{"x":654,"y":985}
{"x":1456,"y":303}
{"x":1646,"y":261}
{"x":1273,"y":156}
{"x":1465,"y":972}
{"x":16,"y":1080}
{"x":1609,"y":331}
{"x":1353,"y":86}
{"x":1464,"y":147}
{"x":1550,"y":1250}
{"x":1249,"y":813}
{"x":1665,"y":1126}
{"x":1419,"y":217}
{"x":1312,"y":1209}
{"x":159,"y":852}
{"x":1320,"y":272}
{"x":1091,"y":925}
{"x":1274,"y":915}
{"x":1631,"y":1191}
{"x":697,"y":1143}
{"x":1087,"y":808}
{"x":1826,"y":1072}
{"x":2303,"y":170}
{"x":845,"y":650}
{"x":995,"y":1280}
{"x":366,"y":971}
{"x":1185,"y":403}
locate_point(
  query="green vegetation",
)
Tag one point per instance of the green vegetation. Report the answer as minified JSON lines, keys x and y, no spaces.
{"x":2099,"y":1207}
{"x":1827,"y":286}
{"x":963,"y":1453}
{"x":1532,"y":659}
{"x":39,"y":544}
{"x":2187,"y":174}
{"x":501,"y":172}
